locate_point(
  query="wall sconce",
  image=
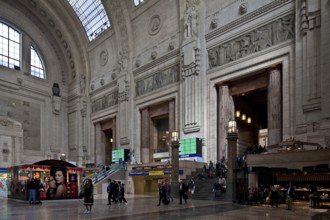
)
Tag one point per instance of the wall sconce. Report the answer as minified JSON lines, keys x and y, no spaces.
{"x":175,"y":136}
{"x":243,"y":117}
{"x":249,"y":120}
{"x":238,"y":114}
{"x":111,"y":140}
{"x":48,"y":157}
{"x":232,"y":127}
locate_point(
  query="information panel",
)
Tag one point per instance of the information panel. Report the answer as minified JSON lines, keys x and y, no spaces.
{"x":191,"y":147}
{"x":120,"y":155}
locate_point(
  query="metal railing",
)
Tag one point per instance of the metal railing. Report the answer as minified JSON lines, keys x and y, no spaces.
{"x":103,"y":174}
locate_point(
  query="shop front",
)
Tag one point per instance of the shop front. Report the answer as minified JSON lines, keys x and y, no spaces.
{"x":147,"y":178}
{"x":3,"y":182}
{"x":55,"y":179}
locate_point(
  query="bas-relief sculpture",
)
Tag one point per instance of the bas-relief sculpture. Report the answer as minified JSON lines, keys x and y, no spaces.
{"x":104,"y":102}
{"x":157,"y":80}
{"x":253,"y":41}
{"x":154,"y":25}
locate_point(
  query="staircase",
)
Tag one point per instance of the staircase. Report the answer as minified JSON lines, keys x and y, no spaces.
{"x":204,"y":187}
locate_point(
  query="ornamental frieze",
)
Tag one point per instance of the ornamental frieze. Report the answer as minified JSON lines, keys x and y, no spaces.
{"x":157,"y":80}
{"x":104,"y":102}
{"x":254,"y":41}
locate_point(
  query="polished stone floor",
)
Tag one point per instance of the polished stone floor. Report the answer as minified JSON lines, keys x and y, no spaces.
{"x":145,"y":207}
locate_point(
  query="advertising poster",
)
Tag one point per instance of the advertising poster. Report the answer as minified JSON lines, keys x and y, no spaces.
{"x":57,"y":183}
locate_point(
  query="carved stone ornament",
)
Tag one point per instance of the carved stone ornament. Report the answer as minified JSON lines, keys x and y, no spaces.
{"x":171,"y":45}
{"x":56,"y":101}
{"x":153,"y":55}
{"x":19,"y":81}
{"x":113,"y":75}
{"x":92,"y":87}
{"x":102,"y":82}
{"x":154,"y":25}
{"x":104,"y":57}
{"x":138,"y":63}
{"x":214,"y":23}
{"x":243,"y":8}
{"x":254,"y":41}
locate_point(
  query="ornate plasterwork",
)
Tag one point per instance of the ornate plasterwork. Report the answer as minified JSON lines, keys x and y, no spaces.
{"x":254,"y":41}
{"x":155,"y":25}
{"x":104,"y":57}
{"x":106,"y":101}
{"x":123,"y":96}
{"x":6,"y":122}
{"x":157,"y":80}
{"x":58,"y":33}
{"x":173,"y":53}
{"x":245,"y":18}
{"x":192,"y":3}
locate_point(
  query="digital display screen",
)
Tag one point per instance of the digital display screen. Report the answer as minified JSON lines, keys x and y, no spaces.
{"x":119,"y":155}
{"x":190,"y":146}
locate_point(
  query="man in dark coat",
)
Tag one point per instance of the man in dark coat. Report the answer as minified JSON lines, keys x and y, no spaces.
{"x":182,"y":192}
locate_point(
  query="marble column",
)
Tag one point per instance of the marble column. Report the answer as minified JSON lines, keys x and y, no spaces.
{"x":226,"y":112}
{"x":274,"y":106}
{"x":99,"y":145}
{"x":145,"y":135}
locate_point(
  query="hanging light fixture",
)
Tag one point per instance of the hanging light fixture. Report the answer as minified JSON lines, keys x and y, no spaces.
{"x":238,"y":114}
{"x":249,"y":120}
{"x":243,"y":117}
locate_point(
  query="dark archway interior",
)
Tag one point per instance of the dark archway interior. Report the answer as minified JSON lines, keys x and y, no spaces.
{"x":254,"y":106}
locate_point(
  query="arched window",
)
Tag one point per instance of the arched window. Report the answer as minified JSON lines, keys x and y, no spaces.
{"x":137,"y":2}
{"x":37,"y":67}
{"x":10,"y":47}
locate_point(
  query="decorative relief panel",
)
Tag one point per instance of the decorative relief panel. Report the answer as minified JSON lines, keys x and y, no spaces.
{"x":157,"y":80}
{"x":254,"y":41}
{"x":123,"y":94}
{"x":154,"y":25}
{"x":104,"y":57}
{"x":104,"y":102}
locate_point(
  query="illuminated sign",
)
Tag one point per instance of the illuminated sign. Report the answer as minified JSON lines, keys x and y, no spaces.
{"x":191,"y":147}
{"x":120,"y":155}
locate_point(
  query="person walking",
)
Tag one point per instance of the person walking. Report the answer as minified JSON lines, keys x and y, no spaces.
{"x":182,"y":192}
{"x":32,"y":191}
{"x":168,"y":190}
{"x":289,"y":198}
{"x":88,"y":195}
{"x":109,"y":190}
{"x":161,"y":191}
{"x":122,"y":193}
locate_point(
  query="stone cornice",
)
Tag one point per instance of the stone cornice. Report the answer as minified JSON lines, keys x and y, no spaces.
{"x":245,"y":19}
{"x":156,"y":62}
{"x":103,"y":88}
